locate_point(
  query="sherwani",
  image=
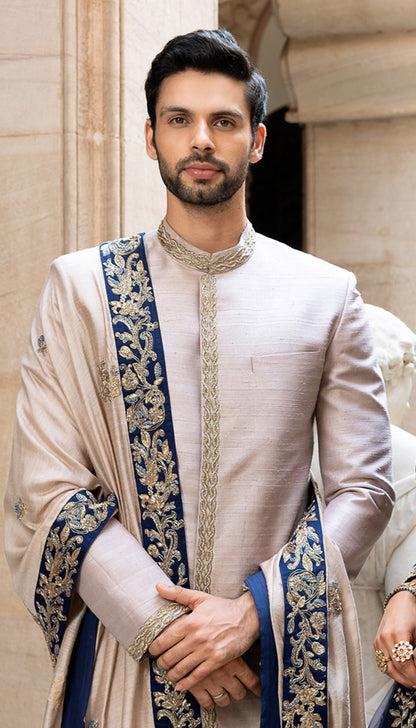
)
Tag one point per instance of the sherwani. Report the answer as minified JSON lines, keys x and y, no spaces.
{"x":259,"y":341}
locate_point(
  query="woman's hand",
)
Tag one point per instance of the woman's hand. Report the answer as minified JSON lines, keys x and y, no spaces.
{"x":398,"y":624}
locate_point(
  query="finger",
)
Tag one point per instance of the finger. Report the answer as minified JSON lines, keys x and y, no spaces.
{"x":249,"y":678}
{"x":235,"y":689}
{"x":189,"y":671}
{"x":176,"y":655}
{"x":203,"y":697}
{"x":171,"y":636}
{"x":402,"y":672}
{"x":223,"y":701}
{"x":187,"y":597}
{"x":230,"y":682}
{"x":399,"y":675}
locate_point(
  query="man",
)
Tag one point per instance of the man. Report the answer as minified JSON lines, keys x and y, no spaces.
{"x":170,"y":385}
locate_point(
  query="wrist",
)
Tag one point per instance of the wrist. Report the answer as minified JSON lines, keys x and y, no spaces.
{"x":406,"y":587}
{"x":250,"y":617}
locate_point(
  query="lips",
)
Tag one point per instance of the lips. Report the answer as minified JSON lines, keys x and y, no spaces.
{"x":197,"y":170}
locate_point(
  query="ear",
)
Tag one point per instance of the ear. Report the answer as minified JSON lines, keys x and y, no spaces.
{"x":148,"y":133}
{"x":258,"y":144}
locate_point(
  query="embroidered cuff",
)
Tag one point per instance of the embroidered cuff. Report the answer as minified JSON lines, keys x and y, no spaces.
{"x":153,"y":627}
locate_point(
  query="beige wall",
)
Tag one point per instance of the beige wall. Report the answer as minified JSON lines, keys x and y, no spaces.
{"x":73,"y":173}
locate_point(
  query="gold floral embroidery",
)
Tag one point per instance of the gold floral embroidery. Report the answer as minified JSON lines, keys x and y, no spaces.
{"x":220,"y":263}
{"x":153,"y":627}
{"x":143,"y":380}
{"x":306,"y":623}
{"x":60,"y":565}
{"x":145,"y":405}
{"x":42,"y":348}
{"x":19,"y":509}
{"x":404,"y":715}
{"x":334,"y":600}
{"x":110,"y":385}
{"x":211,"y":435}
{"x":173,"y":704}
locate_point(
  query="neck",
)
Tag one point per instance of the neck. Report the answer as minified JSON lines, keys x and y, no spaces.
{"x":211,"y":229}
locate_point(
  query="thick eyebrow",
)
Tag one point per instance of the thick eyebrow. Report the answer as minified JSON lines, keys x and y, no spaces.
{"x":173,"y":109}
{"x":183,"y":110}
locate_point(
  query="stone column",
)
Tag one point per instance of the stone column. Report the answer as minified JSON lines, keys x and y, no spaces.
{"x":350,"y":68}
{"x":74,"y":173}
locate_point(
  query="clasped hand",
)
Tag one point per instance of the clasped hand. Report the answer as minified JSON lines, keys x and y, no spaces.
{"x":201,"y":651}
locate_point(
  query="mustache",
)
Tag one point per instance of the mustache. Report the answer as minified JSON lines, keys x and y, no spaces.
{"x":202,"y":158}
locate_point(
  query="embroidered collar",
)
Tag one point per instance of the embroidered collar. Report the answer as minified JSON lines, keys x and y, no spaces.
{"x":221,"y":262}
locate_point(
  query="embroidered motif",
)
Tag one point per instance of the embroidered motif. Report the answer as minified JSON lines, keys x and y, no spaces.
{"x":91,"y":724}
{"x":142,"y":378}
{"x":334,"y":600}
{"x":209,"y":718}
{"x":42,"y":348}
{"x":152,"y":443}
{"x":304,"y":700}
{"x":19,"y":509}
{"x":404,"y":715}
{"x":110,"y":386}
{"x":211,"y":435}
{"x":205,"y":262}
{"x":173,"y":705}
{"x":153,"y":627}
{"x":67,"y":542}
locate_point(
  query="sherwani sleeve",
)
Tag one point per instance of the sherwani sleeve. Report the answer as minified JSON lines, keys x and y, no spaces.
{"x":354,"y":437}
{"x":60,"y":500}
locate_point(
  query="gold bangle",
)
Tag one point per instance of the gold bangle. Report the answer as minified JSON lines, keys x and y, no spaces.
{"x":402,"y":587}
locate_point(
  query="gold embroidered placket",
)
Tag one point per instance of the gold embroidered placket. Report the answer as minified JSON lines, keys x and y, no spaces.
{"x":211,"y":434}
{"x":210,"y":448}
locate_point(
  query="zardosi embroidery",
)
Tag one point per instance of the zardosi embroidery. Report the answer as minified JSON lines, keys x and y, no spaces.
{"x":42,"y":348}
{"x":305,"y":644}
{"x":19,"y":509}
{"x":152,"y":443}
{"x":79,"y":522}
{"x":403,"y":712}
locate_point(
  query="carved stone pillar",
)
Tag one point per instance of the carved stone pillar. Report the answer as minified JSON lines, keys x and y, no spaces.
{"x":350,"y":68}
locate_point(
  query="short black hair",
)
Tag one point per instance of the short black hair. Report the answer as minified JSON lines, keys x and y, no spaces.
{"x":207,"y":51}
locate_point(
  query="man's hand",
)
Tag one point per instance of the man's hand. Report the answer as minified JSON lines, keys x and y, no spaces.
{"x":234,"y":679}
{"x":215,"y":632}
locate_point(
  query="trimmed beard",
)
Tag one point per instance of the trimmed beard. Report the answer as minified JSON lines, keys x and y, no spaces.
{"x":202,"y":193}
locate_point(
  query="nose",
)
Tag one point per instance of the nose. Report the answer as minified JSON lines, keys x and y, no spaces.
{"x":202,"y":138}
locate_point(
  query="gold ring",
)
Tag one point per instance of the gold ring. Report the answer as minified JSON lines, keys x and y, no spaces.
{"x":219,"y":696}
{"x":402,"y":651}
{"x":382,"y":661}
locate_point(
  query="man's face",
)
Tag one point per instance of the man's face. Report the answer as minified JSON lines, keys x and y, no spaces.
{"x":203,"y":140}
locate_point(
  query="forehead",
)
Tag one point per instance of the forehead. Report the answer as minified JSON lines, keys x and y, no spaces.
{"x":198,"y":91}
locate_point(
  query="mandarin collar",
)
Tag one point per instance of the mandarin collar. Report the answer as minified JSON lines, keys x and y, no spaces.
{"x":219,"y":262}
